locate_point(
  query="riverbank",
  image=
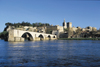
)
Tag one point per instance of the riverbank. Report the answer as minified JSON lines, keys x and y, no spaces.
{"x":78,"y":38}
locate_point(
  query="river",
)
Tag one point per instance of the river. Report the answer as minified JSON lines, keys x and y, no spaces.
{"x":57,"y":53}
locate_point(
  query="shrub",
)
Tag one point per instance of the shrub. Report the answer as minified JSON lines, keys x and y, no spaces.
{"x":4,"y":34}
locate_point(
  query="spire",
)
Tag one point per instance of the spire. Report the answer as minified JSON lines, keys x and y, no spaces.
{"x":64,"y":19}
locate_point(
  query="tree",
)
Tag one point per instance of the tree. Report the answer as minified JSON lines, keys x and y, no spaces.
{"x":0,"y":34}
{"x":66,"y":30}
{"x":34,"y":25}
{"x":47,"y":24}
{"x":8,"y":24}
{"x":37,"y":24}
{"x":4,"y":35}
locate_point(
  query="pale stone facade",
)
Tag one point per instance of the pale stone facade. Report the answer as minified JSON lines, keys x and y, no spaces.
{"x":74,"y":29}
{"x":69,"y":25}
{"x":54,"y":30}
{"x":16,"y":35}
{"x":64,"y":24}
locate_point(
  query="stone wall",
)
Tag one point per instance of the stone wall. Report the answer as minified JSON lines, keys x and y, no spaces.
{"x":18,"y":39}
{"x":16,"y":35}
{"x":36,"y":39}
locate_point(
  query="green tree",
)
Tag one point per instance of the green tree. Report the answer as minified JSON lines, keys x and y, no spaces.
{"x":40,"y":24}
{"x":23,"y":23}
{"x":0,"y":34}
{"x":4,"y":35}
{"x":8,"y":24}
{"x":66,"y":30}
{"x":34,"y":25}
{"x":47,"y":24}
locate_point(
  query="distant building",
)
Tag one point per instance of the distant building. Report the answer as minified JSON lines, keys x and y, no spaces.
{"x":60,"y":31}
{"x":69,"y":25}
{"x":64,"y":24}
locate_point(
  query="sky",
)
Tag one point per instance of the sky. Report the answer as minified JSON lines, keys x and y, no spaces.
{"x":81,"y":13}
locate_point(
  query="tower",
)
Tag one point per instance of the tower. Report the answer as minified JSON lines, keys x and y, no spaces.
{"x":69,"y":25}
{"x":64,"y":24}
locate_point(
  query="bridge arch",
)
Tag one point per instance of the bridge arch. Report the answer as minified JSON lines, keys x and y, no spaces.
{"x":54,"y":37}
{"x":49,"y":37}
{"x":41,"y":37}
{"x":27,"y":36}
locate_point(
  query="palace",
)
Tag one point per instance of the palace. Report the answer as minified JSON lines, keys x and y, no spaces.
{"x":64,"y":31}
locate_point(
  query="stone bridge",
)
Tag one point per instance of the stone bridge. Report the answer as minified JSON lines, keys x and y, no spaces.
{"x":19,"y":35}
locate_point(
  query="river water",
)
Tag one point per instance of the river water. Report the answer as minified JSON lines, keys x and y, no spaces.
{"x":57,"y":53}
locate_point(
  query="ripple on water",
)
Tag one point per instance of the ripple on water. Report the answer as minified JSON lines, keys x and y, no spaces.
{"x":58,"y":53}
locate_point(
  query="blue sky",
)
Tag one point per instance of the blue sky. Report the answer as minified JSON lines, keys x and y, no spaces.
{"x":80,"y":13}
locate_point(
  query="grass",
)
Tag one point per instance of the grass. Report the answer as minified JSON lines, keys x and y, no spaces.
{"x":78,"y":38}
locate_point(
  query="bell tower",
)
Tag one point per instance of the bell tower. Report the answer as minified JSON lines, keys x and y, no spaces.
{"x":64,"y":24}
{"x":69,"y":25}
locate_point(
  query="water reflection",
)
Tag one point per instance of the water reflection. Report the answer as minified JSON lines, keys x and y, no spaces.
{"x":62,"y":53}
{"x":14,"y":43}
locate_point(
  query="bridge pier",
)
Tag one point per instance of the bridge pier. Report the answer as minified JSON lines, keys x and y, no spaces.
{"x":11,"y":39}
{"x":53,"y":38}
{"x":46,"y":38}
{"x":16,"y":39}
{"x":37,"y":39}
{"x":20,"y":39}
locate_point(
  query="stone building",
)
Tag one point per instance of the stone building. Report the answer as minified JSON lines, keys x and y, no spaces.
{"x":74,"y":29}
{"x":89,"y":28}
{"x":94,"y":29}
{"x":56,"y":29}
{"x":64,"y":24}
{"x":69,"y":25}
{"x":41,"y":29}
{"x":9,"y":28}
